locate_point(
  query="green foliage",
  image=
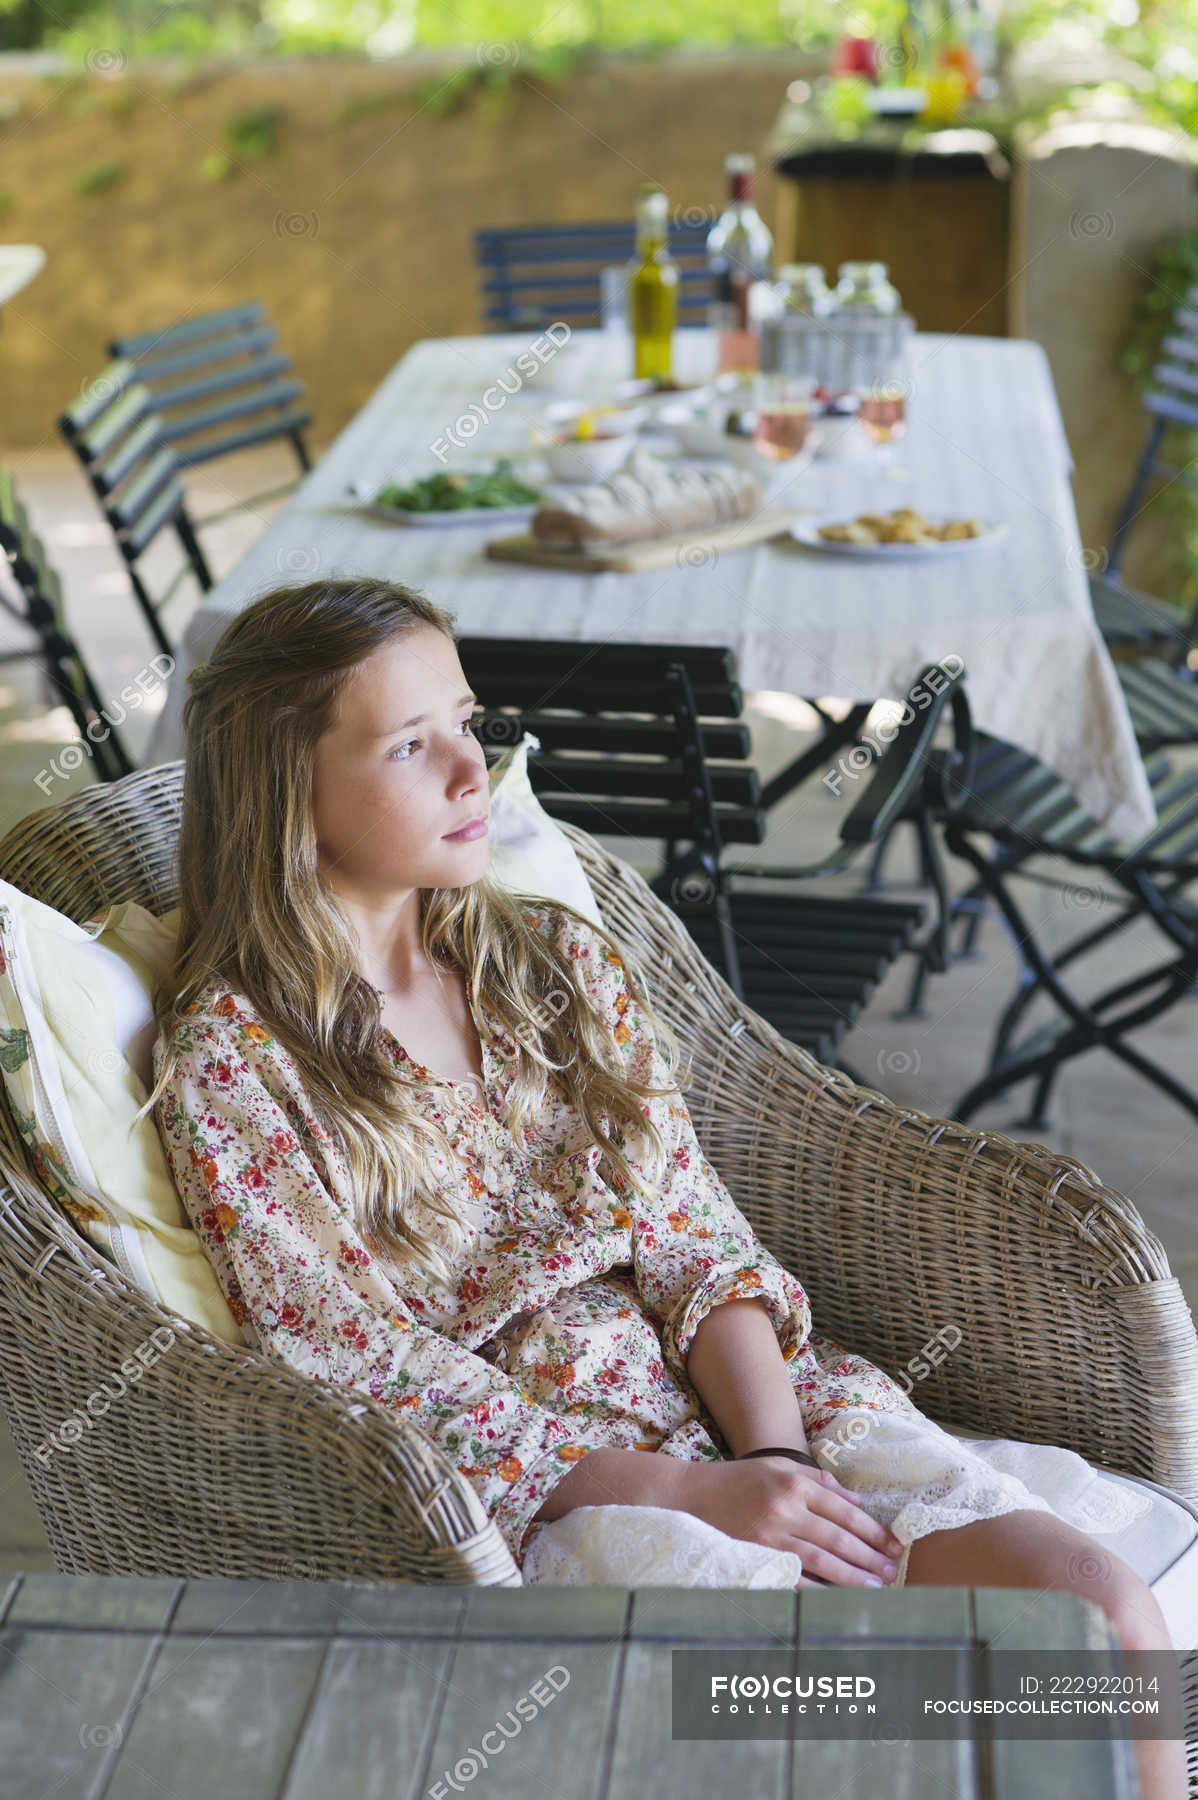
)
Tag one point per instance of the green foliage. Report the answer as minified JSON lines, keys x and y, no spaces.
{"x":367,"y":106}
{"x":7,"y":201}
{"x":254,"y":134}
{"x":495,"y":80}
{"x":100,"y":177}
{"x":122,"y":103}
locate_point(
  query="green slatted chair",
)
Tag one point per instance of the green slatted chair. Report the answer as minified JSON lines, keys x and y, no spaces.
{"x":220,"y":384}
{"x":1135,"y":624}
{"x":117,"y":435}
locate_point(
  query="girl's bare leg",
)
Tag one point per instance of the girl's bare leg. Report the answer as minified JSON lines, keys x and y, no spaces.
{"x":1030,"y":1549}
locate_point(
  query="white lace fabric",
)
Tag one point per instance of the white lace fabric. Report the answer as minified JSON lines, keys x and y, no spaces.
{"x":911,"y":1475}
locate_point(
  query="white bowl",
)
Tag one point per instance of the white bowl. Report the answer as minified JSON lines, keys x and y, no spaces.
{"x":586,"y":459}
{"x":621,"y":422}
{"x":698,"y":434}
{"x":656,"y":401}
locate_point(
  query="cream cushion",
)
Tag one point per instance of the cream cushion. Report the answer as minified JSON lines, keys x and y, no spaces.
{"x":77,"y":1020}
{"x":77,"y":1028}
{"x":530,"y":854}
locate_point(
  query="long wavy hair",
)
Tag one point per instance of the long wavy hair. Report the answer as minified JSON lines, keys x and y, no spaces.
{"x":257,"y":913}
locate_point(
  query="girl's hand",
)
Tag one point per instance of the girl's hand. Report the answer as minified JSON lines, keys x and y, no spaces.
{"x":772,"y":1500}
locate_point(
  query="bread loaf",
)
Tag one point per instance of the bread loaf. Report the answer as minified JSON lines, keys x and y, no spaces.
{"x":648,"y":499}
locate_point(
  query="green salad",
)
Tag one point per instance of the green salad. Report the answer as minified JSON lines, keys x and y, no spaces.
{"x":455,"y":493}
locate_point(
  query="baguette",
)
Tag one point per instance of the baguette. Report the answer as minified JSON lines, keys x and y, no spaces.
{"x":648,"y":499}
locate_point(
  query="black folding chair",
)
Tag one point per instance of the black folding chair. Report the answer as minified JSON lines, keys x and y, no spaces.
{"x":31,"y":592}
{"x":1016,"y":811}
{"x":1132,"y":623}
{"x":532,"y":275}
{"x":647,"y":741}
{"x":117,"y":435}
{"x":220,"y":384}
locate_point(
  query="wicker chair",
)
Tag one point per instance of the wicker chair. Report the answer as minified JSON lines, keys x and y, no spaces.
{"x":222,"y":1461}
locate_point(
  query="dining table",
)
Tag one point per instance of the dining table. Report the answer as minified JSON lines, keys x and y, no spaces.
{"x":984,"y":439}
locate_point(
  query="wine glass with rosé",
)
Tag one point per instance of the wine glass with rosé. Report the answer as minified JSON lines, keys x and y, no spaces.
{"x":785,"y":409}
{"x":883,"y":409}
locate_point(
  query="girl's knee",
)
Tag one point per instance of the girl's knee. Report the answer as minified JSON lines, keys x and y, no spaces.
{"x":1128,"y":1602}
{"x":1038,"y":1550}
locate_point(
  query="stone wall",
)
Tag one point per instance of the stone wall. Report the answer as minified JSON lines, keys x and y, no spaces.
{"x":357,"y":235}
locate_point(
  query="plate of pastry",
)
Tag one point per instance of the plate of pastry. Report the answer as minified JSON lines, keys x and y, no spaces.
{"x":899,"y":534}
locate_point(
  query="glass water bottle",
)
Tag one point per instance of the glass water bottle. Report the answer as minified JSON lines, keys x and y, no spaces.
{"x":740,"y":250}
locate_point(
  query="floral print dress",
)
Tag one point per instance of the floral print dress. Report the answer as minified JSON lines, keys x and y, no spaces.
{"x":573,"y":1306}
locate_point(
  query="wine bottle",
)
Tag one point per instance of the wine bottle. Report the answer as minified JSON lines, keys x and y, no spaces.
{"x":740,"y":252}
{"x":652,"y":290}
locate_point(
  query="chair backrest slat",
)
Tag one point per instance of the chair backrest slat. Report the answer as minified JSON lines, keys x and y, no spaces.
{"x":1176,"y":411}
{"x":531,"y":274}
{"x":569,"y":286}
{"x":637,"y":737}
{"x":231,"y":370}
{"x":120,"y":413}
{"x":220,"y":381}
{"x":623,"y":760}
{"x":600,"y":241}
{"x":1184,"y":347}
{"x":128,"y":503}
{"x":137,"y":528}
{"x":130,"y":453}
{"x":154,"y":368}
{"x":243,"y":406}
{"x":185,"y":331}
{"x":1172,"y":377}
{"x":96,"y":398}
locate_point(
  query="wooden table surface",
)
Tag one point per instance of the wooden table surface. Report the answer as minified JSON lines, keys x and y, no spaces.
{"x":131,"y":1688}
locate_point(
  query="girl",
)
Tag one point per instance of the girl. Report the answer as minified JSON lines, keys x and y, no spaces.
{"x":431,"y":1136}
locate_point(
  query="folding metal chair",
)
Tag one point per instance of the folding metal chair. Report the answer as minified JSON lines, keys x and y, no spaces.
{"x":32,"y":594}
{"x":220,"y":384}
{"x":1015,"y":811}
{"x":646,"y":741}
{"x":533,"y":274}
{"x":117,"y":435}
{"x":1132,"y":623}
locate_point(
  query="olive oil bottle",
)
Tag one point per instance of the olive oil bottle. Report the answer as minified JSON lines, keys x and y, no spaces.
{"x":652,"y":290}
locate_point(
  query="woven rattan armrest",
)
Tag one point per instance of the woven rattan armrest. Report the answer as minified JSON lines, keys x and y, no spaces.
{"x":1010,"y":1289}
{"x":216,"y":1460}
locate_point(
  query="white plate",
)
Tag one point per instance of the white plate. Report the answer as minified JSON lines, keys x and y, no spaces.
{"x":461,"y":515}
{"x":807,"y":532}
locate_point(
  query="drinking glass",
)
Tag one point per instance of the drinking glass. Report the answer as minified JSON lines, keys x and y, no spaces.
{"x":613,"y":297}
{"x":883,"y":409}
{"x":785,"y":410}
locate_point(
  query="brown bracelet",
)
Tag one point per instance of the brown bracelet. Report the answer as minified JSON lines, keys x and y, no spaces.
{"x":801,"y":1456}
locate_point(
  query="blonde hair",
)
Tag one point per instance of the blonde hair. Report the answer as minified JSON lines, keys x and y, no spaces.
{"x":257,"y":912}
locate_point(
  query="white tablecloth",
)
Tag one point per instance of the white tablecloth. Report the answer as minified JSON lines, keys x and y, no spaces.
{"x":984,"y":438}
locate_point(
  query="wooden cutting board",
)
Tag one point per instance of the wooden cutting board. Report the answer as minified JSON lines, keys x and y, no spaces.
{"x":690,"y":549}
